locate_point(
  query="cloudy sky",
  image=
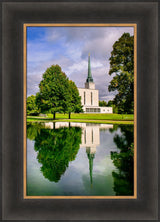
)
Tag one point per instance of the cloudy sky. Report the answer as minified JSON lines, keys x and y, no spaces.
{"x":69,"y":48}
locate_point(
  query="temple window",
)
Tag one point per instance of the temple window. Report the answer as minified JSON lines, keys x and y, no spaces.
{"x":91,"y":98}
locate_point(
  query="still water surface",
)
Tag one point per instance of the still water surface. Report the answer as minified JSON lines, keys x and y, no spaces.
{"x":79,"y":159}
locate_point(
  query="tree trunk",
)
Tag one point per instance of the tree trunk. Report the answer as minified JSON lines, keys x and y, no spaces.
{"x":69,"y":115}
{"x":54,"y":115}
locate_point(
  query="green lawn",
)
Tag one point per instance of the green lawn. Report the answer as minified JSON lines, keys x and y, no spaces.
{"x":85,"y":117}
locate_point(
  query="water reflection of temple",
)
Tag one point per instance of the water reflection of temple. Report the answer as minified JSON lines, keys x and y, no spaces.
{"x":90,"y":137}
{"x":90,"y":132}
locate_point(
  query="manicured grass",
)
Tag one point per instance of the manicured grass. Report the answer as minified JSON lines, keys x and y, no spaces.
{"x":102,"y":116}
{"x":80,"y":121}
{"x":85,"y":117}
{"x":94,"y":116}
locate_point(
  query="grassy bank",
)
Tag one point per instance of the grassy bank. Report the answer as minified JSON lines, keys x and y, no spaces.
{"x":85,"y":117}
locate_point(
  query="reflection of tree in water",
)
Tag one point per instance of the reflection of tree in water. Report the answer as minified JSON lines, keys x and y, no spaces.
{"x":56,"y":148}
{"x":123,"y":178}
{"x":33,"y":129}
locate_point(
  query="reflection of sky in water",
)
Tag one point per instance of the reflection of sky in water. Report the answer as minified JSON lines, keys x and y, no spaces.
{"x":76,"y":179}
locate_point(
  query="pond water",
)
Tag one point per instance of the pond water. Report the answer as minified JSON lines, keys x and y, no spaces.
{"x":79,"y":159}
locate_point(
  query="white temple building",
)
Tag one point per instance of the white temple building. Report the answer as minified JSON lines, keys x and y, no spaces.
{"x":90,"y":96}
{"x":90,"y":138}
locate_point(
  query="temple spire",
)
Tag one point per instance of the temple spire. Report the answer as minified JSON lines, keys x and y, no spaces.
{"x":89,"y":78}
{"x":90,"y":157}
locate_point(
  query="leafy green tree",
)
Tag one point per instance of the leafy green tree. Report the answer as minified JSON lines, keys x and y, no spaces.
{"x":53,"y":96}
{"x":110,"y":103}
{"x":102,"y":103}
{"x":122,"y":66}
{"x":32,"y":108}
{"x":56,"y":148}
{"x":57,"y":93}
{"x":75,"y":100}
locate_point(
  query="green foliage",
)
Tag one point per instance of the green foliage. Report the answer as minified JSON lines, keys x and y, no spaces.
{"x":57,"y":93}
{"x":56,"y":148}
{"x":53,"y":96}
{"x":32,"y":108}
{"x":111,"y":104}
{"x":75,"y":100}
{"x":123,"y":160}
{"x":122,"y":66}
{"x":33,"y":129}
{"x":102,"y":103}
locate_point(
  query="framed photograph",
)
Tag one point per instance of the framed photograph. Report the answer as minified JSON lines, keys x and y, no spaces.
{"x":66,"y":123}
{"x":80,"y":128}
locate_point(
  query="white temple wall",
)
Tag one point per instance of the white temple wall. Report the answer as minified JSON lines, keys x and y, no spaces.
{"x":89,"y":97}
{"x":90,"y":137}
{"x":106,"y":109}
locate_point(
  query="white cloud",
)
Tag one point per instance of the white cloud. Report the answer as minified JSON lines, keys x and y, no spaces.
{"x":69,"y":48}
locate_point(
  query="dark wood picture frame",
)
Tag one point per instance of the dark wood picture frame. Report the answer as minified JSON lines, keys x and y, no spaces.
{"x":14,"y":15}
